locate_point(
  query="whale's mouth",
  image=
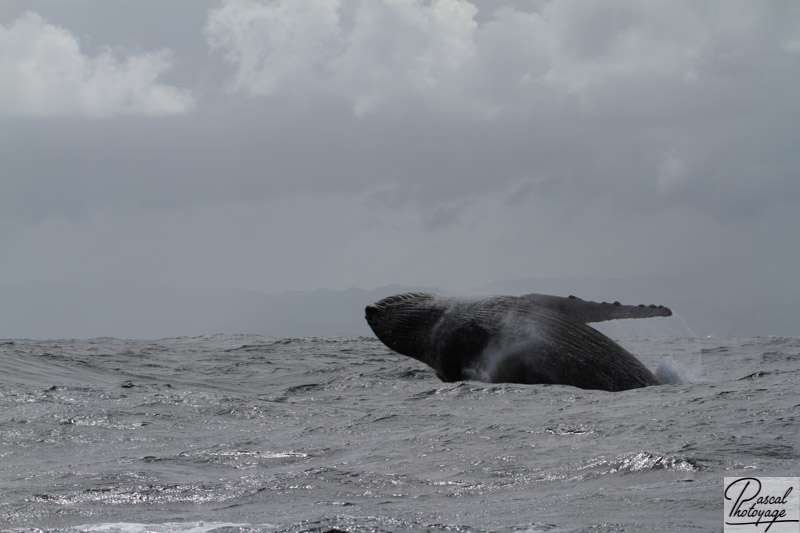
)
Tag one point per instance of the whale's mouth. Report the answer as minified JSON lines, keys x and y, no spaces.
{"x":373,"y":313}
{"x":379,"y":322}
{"x":379,"y":318}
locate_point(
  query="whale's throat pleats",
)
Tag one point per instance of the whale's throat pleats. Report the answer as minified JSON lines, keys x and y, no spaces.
{"x":403,"y":321}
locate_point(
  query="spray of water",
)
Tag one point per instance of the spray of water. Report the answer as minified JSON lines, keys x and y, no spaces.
{"x":670,"y":371}
{"x":684,"y":324}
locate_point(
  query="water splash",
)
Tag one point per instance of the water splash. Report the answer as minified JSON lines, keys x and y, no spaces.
{"x":670,"y":371}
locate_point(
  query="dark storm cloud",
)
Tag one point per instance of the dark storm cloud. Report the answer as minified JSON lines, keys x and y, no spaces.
{"x":660,"y":102}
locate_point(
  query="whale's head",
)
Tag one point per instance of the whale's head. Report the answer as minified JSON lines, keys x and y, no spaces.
{"x":403,"y":322}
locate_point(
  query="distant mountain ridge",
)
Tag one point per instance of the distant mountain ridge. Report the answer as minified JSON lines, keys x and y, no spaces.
{"x":48,"y":311}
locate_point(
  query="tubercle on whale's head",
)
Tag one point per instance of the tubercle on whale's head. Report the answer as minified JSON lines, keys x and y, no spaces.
{"x":401,"y":321}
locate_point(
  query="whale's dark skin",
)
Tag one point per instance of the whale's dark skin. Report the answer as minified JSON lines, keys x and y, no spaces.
{"x":533,"y":338}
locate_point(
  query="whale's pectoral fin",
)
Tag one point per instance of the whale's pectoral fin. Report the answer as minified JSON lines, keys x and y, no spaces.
{"x":584,"y":311}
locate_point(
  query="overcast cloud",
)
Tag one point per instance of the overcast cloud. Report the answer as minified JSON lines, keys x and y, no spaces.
{"x":285,"y":145}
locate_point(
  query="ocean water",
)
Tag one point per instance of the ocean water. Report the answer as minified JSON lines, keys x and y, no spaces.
{"x":249,"y":433}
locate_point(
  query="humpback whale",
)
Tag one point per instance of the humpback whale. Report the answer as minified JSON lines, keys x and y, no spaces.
{"x":534,"y":338}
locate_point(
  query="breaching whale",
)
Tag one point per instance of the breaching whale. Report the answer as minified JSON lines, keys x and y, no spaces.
{"x":535,"y":338}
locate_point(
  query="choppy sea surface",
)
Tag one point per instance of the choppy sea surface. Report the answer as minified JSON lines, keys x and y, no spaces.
{"x":249,"y":433}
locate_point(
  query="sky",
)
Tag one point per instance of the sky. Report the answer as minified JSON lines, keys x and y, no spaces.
{"x":281,"y":145}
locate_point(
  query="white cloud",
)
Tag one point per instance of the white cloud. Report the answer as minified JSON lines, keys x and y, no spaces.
{"x":399,"y":48}
{"x":391,"y":48}
{"x":388,"y":54}
{"x":373,"y":54}
{"x":435,"y":52}
{"x":274,"y":42}
{"x":45,"y":73}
